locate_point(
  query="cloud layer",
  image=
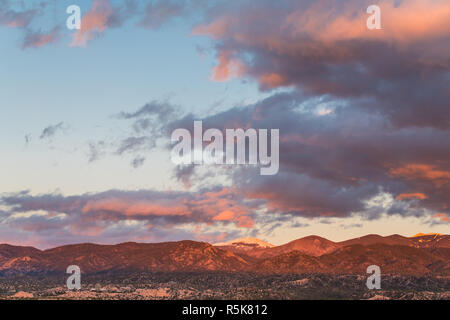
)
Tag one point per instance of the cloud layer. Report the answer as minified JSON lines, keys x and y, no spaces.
{"x":323,"y":47}
{"x":145,"y":212}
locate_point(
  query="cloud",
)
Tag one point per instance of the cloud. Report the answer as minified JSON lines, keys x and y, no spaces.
{"x":132,"y":144}
{"x":417,"y":171}
{"x":103,"y":16}
{"x":333,"y":164}
{"x":159,"y":13}
{"x":27,"y":138}
{"x":227,"y":68}
{"x":138,"y":162}
{"x":367,"y":113}
{"x":134,"y":207}
{"x":93,"y":23}
{"x":157,"y":110}
{"x":96,"y":150}
{"x":37,"y":39}
{"x":127,"y":10}
{"x":116,"y":211}
{"x":147,"y":125}
{"x":324,"y":48}
{"x":224,"y":216}
{"x":442,"y":217}
{"x":23,"y":16}
{"x":184,"y":174}
{"x":403,"y":196}
{"x":13,"y":18}
{"x":51,"y":130}
{"x":351,"y":226}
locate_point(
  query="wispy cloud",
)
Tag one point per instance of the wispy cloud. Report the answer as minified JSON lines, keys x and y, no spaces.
{"x":37,"y":39}
{"x":17,"y":17}
{"x":93,"y":23}
{"x":51,"y":130}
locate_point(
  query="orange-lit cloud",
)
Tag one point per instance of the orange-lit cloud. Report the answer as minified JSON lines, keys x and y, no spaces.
{"x":40,"y":39}
{"x":245,"y":222}
{"x":224,"y":216}
{"x":272,"y":80}
{"x":93,"y":23}
{"x":442,"y":217}
{"x":227,"y":68}
{"x":149,"y":211}
{"x":326,"y":20}
{"x":422,"y":171}
{"x":135,"y":208}
{"x":281,"y":45}
{"x":15,"y":18}
{"x":418,"y":195}
{"x":403,"y":21}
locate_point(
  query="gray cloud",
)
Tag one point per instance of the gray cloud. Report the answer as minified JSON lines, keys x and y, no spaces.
{"x":132,"y":144}
{"x":158,"y":13}
{"x":161,"y":12}
{"x":96,"y":150}
{"x":51,"y":130}
{"x":138,"y":162}
{"x":13,"y":18}
{"x":27,"y":138}
{"x":36,"y":39}
{"x":332,"y":164}
{"x":184,"y":174}
{"x":404,"y":75}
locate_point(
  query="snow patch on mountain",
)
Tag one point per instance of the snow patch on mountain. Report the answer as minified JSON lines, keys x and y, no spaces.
{"x":246,"y":242}
{"x":426,"y":234}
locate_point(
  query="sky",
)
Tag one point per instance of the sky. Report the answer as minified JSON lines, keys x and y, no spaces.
{"x":86,"y":118}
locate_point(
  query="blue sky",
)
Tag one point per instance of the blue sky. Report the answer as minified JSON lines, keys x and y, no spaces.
{"x":86,"y":87}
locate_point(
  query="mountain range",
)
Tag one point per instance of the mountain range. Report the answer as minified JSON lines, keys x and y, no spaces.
{"x":418,"y":255}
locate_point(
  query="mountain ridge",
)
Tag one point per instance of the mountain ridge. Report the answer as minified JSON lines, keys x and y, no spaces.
{"x":428,"y":254}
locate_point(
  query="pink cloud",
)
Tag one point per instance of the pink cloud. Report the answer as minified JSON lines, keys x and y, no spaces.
{"x":442,"y":217}
{"x":227,"y":68}
{"x":93,"y":23}
{"x":135,"y":208}
{"x":224,"y":216}
{"x":417,"y":195}
{"x":245,"y":222}
{"x":308,"y":29}
{"x":38,"y":39}
{"x":418,"y":171}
